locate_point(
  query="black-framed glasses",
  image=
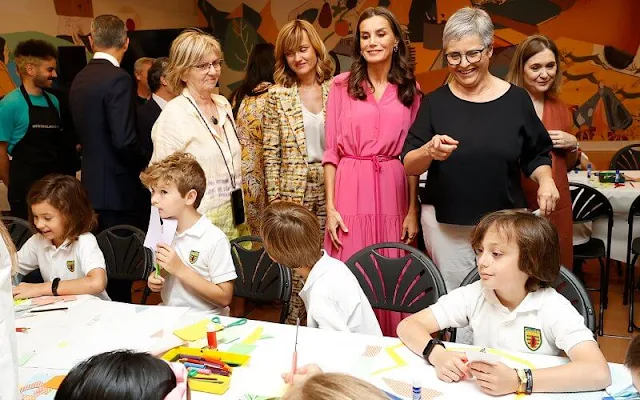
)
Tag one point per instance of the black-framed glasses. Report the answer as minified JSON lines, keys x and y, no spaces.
{"x":472,"y":56}
{"x":217,"y":64}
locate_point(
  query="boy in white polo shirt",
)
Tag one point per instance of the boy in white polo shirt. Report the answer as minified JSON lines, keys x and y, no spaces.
{"x":331,"y":294}
{"x":197,"y":269}
{"x":513,"y":308}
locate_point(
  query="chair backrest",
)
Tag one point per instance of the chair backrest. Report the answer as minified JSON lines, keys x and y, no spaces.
{"x":567,"y":285}
{"x":634,"y":210}
{"x":589,"y":204}
{"x":407,"y":283}
{"x":124,"y":253}
{"x":19,"y":229}
{"x":627,"y":158}
{"x":259,"y":277}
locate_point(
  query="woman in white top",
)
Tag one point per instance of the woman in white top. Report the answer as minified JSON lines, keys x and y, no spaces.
{"x":8,"y":345}
{"x":201,"y":123}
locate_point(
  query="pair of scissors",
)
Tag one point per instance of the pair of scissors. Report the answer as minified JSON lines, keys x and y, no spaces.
{"x":241,"y":321}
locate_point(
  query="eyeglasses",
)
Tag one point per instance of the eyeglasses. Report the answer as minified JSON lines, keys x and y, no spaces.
{"x":472,"y":56}
{"x":217,"y":64}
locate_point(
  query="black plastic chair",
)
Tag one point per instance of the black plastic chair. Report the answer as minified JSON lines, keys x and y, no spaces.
{"x":19,"y":229}
{"x":588,"y":205}
{"x":633,"y":247}
{"x":406,"y":284}
{"x":568,"y":285}
{"x":627,"y":158}
{"x":260,"y":279}
{"x":126,"y":257}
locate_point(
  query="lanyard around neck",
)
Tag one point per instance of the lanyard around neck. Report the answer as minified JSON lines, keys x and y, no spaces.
{"x":204,"y":121}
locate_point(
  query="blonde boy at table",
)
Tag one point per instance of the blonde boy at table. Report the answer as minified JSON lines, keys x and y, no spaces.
{"x":197,"y":269}
{"x":331,"y":294}
{"x":64,"y":249}
{"x":8,"y":343}
{"x":512,"y":308}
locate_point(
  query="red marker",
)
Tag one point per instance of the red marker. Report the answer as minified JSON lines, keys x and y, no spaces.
{"x":212,"y":340}
{"x":22,"y":329}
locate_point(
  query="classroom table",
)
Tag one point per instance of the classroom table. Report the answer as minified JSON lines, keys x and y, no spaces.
{"x":57,"y":340}
{"x":621,"y":197}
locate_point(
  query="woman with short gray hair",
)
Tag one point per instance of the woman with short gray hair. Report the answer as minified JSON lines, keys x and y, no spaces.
{"x":473,"y":135}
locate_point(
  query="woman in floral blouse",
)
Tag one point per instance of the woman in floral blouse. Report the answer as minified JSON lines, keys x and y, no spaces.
{"x":248,"y":106}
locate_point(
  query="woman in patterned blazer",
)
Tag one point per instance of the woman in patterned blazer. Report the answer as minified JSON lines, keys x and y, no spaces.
{"x":294,"y":126}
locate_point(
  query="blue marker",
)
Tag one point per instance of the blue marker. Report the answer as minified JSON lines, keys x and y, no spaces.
{"x":589,"y":171}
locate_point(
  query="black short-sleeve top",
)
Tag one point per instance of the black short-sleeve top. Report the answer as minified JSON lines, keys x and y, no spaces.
{"x":497,"y":139}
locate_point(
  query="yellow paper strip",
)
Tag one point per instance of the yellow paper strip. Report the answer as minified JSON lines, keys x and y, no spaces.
{"x":254,"y":336}
{"x":193,"y":332}
{"x":399,"y":361}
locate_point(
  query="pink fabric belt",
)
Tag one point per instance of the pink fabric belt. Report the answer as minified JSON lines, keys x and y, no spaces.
{"x":376,"y":160}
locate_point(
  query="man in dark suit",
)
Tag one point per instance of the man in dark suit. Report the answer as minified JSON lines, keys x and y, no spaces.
{"x":161,"y":95}
{"x":102,"y":105}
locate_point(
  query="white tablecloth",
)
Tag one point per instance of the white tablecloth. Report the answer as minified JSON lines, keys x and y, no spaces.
{"x":621,"y":198}
{"x":91,"y":326}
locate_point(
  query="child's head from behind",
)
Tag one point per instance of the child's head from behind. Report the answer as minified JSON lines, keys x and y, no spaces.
{"x":176,"y":182}
{"x":120,"y":375}
{"x":632,"y":361}
{"x":515,"y":248}
{"x":291,"y":235}
{"x":333,"y":386}
{"x":59,"y":208}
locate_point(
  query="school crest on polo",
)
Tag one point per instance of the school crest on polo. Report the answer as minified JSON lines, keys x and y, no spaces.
{"x":71,"y":265}
{"x":532,"y":338}
{"x":193,"y":256}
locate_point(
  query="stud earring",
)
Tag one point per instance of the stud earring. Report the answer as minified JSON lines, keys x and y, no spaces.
{"x":395,"y":48}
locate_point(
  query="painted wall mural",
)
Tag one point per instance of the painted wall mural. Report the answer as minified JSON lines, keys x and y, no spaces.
{"x":599,"y":42}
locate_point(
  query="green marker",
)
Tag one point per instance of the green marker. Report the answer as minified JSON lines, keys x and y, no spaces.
{"x":157,"y":270}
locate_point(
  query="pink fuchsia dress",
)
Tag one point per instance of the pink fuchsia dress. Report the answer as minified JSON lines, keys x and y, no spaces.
{"x":364,"y":140}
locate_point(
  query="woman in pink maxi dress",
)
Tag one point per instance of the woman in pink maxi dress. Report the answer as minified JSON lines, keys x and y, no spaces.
{"x":364,"y":137}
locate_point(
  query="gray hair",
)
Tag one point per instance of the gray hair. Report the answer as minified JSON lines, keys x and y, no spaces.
{"x":108,"y":32}
{"x":141,"y":62}
{"x":468,"y":21}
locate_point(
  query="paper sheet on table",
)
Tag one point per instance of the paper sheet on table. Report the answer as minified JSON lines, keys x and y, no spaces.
{"x":483,"y":356}
{"x":260,"y":381}
{"x":159,"y":232}
{"x":620,"y":380}
{"x":195,"y":331}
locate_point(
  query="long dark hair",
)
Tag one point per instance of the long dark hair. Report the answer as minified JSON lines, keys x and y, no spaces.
{"x":118,"y":375}
{"x":260,"y":68}
{"x":2,"y":43}
{"x":402,"y":69}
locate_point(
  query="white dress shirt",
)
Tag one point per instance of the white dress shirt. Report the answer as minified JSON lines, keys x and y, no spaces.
{"x":545,"y":314}
{"x":105,"y":56}
{"x":159,"y":101}
{"x":334,"y":299}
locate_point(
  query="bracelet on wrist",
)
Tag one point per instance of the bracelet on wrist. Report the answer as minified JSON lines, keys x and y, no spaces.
{"x":529,"y":385}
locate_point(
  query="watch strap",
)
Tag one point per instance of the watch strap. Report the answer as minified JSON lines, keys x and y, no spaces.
{"x":54,"y":286}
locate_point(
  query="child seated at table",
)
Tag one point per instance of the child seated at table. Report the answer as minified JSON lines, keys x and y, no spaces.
{"x":513,"y":308}
{"x":8,"y":343}
{"x":64,"y":249}
{"x":311,"y":383}
{"x":331,"y":294}
{"x":197,"y":269}
{"x":123,"y":374}
{"x":632,"y":361}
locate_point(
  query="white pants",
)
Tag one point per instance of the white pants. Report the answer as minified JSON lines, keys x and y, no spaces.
{"x":448,"y":246}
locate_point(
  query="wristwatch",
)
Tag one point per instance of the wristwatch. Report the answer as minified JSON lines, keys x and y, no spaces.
{"x":430,"y":346}
{"x":54,"y":286}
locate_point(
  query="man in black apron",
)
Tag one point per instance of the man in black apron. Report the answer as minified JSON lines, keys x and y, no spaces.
{"x":44,"y":148}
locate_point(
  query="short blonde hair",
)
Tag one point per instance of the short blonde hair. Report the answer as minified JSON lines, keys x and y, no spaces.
{"x":291,"y":235}
{"x":334,"y":386}
{"x":180,"y":169}
{"x":187,"y":50}
{"x":289,"y":39}
{"x":137,"y":66}
{"x":528,"y":48}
